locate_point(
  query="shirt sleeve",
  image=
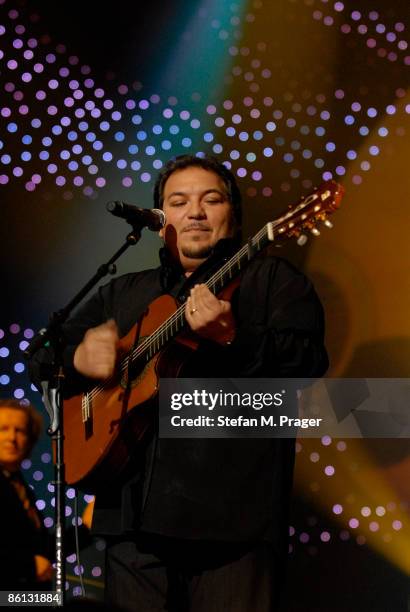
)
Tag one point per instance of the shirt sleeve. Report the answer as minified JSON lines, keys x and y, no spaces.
{"x":280,"y":324}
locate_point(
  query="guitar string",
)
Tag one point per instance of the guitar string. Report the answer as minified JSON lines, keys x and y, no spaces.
{"x":168,"y":324}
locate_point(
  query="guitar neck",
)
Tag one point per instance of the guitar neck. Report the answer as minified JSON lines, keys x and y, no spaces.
{"x":239,"y":261}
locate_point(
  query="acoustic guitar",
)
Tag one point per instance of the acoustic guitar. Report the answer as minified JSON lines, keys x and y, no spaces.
{"x":103,"y":425}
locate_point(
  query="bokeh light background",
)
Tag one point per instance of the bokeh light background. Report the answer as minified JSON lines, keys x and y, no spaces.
{"x":94,"y":100}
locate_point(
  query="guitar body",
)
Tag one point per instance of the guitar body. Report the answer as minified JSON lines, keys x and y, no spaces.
{"x":98,"y":448}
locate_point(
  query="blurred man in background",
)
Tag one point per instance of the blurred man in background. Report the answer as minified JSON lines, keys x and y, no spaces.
{"x":24,"y":549}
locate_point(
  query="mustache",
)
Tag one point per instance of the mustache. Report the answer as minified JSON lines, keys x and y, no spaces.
{"x":200,"y":226}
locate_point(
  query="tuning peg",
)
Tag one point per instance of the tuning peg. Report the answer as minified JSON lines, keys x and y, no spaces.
{"x":302,"y":240}
{"x":315,"y":231}
{"x":328,"y":224}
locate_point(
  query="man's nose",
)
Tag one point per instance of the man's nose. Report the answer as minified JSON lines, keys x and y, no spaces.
{"x":11,"y":434}
{"x":196,"y":209}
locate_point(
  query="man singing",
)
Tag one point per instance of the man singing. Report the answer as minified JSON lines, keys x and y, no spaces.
{"x":201,"y":524}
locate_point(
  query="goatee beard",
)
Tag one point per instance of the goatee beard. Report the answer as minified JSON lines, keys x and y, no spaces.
{"x":198,"y":252}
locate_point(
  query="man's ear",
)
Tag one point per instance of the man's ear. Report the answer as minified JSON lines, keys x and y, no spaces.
{"x":161,"y":233}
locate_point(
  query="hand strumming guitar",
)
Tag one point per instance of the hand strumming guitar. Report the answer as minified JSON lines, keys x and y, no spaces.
{"x":96,"y":355}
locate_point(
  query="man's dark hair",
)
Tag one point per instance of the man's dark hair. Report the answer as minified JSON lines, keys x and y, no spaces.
{"x":34,"y":419}
{"x":207,"y":163}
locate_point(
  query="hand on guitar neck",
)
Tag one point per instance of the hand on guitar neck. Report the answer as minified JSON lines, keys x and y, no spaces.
{"x":210,"y":317}
{"x":206,"y":315}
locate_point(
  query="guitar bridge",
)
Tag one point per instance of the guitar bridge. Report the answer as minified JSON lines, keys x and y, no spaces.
{"x":87,"y":417}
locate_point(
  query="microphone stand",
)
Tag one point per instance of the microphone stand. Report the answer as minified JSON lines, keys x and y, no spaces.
{"x":52,"y":384}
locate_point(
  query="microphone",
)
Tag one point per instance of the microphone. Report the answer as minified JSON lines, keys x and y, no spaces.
{"x":152,"y":218}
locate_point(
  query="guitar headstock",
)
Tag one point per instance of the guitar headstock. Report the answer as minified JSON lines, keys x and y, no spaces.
{"x":307,"y":214}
